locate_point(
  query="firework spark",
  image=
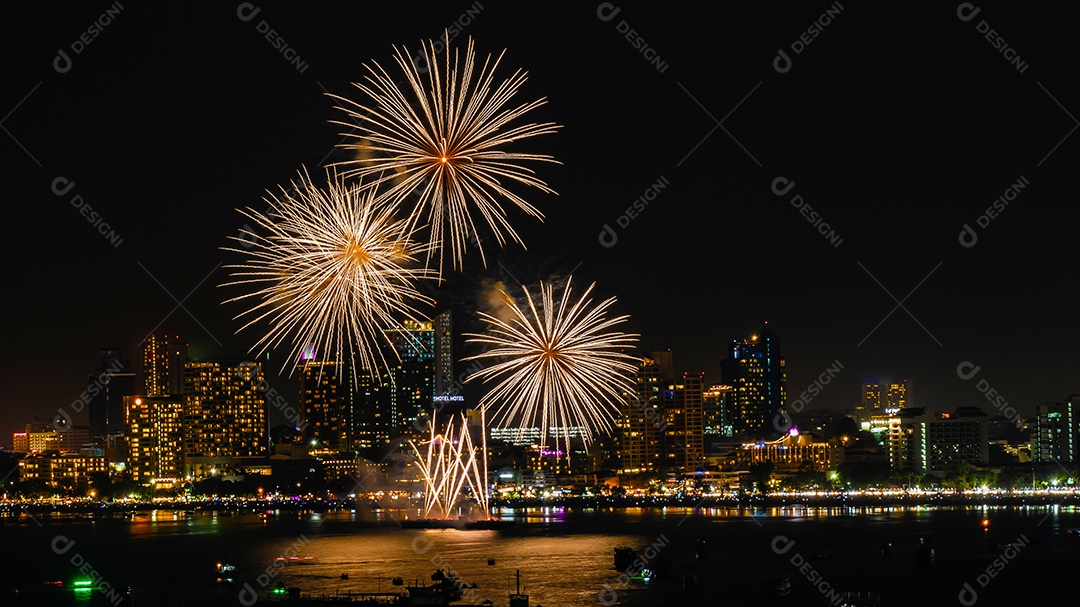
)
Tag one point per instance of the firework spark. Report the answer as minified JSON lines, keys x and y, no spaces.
{"x":331,"y":271}
{"x":559,"y":367}
{"x":446,"y":142}
{"x":449,"y":464}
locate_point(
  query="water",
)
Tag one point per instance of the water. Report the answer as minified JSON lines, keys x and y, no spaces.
{"x":565,"y":556}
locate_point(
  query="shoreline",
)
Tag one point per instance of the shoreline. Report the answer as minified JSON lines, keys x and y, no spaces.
{"x":10,"y":510}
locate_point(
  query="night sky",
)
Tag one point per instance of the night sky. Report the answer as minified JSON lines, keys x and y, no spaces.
{"x":897,"y":125}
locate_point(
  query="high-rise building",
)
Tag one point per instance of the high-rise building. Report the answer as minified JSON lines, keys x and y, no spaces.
{"x":640,"y":426}
{"x":444,"y":355}
{"x":684,"y":439}
{"x":224,"y":413}
{"x":716,"y":413}
{"x":163,"y":365}
{"x":414,"y":374}
{"x":73,"y":438}
{"x":1057,"y":432}
{"x":107,"y":388}
{"x":373,"y":420}
{"x":326,"y":404}
{"x":661,"y":426}
{"x":755,"y":370}
{"x":884,"y":398}
{"x":20,"y":442}
{"x":154,"y":435}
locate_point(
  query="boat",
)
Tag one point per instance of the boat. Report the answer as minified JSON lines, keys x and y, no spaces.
{"x":517,"y":599}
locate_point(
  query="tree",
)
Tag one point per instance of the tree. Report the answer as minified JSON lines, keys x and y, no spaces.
{"x":761,"y":473}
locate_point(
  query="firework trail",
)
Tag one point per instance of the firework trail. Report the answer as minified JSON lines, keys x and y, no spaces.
{"x":448,"y":465}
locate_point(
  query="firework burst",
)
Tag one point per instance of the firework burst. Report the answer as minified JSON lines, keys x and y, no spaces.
{"x":447,"y":143}
{"x":330,"y":269}
{"x":557,"y":365}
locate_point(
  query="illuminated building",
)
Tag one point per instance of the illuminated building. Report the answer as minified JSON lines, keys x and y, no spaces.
{"x":224,"y":413}
{"x":73,"y":438}
{"x":163,"y":365}
{"x":107,"y":388}
{"x":919,"y":441}
{"x":62,"y":471}
{"x":795,"y":452}
{"x":20,"y":442}
{"x":1056,"y":436}
{"x":38,"y":438}
{"x":684,"y":439}
{"x":755,"y":370}
{"x":715,"y":412}
{"x":414,"y":374}
{"x":884,"y":399}
{"x":661,"y":426}
{"x":326,"y":404}
{"x":154,"y":435}
{"x":372,"y":413}
{"x":640,"y":424}
{"x":444,"y":354}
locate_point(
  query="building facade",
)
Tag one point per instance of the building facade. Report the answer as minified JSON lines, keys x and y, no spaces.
{"x":154,"y":435}
{"x":1056,"y":436}
{"x":224,"y":412}
{"x":755,"y":370}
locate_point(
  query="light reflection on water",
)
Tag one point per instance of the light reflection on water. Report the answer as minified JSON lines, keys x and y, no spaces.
{"x":564,"y":554}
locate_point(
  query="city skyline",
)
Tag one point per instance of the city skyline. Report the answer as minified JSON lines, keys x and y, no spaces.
{"x":800,"y":151}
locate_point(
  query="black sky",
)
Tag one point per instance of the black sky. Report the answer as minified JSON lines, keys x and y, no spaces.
{"x":898,"y":125}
